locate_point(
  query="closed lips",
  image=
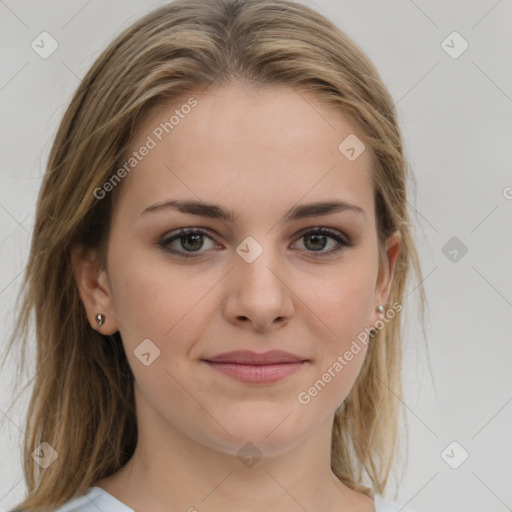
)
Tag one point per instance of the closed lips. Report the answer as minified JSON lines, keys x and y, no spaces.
{"x":253,"y":358}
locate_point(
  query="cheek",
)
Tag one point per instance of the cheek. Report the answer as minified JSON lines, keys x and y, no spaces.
{"x":344,"y":303}
{"x":345,"y":306}
{"x":151,"y":301}
{"x":344,"y":298}
{"x":169,"y":309}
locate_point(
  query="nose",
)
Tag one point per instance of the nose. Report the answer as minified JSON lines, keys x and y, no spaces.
{"x":259,"y":297}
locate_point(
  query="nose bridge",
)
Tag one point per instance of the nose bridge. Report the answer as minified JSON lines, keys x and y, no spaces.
{"x":259,"y":293}
{"x":259,"y":262}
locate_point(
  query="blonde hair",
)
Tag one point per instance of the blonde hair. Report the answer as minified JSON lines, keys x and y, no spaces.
{"x":82,"y":400}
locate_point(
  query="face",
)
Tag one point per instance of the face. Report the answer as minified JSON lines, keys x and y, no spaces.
{"x":256,"y":270}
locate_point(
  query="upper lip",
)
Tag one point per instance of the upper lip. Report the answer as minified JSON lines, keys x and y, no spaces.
{"x":248,"y":357}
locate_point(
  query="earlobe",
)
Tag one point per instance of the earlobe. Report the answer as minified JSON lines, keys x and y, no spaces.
{"x":92,"y":284}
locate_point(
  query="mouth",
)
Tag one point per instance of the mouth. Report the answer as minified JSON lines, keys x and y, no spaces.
{"x":247,"y":366}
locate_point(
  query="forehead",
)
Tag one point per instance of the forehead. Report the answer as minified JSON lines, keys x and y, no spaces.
{"x":255,"y":151}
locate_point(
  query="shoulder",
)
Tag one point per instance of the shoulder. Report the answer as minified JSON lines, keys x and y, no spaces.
{"x":95,"y":499}
{"x":382,"y":505}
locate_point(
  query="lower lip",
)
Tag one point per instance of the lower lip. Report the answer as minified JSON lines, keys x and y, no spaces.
{"x":257,"y":373}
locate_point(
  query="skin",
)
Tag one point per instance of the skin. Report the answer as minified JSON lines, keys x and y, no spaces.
{"x":257,"y":153}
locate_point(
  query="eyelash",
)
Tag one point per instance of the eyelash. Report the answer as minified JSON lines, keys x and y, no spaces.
{"x":166,"y":240}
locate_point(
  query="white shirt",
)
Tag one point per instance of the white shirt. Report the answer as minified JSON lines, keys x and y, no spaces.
{"x":97,"y":499}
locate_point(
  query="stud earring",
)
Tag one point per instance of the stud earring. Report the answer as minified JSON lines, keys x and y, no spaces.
{"x":100,"y":319}
{"x":380,"y":309}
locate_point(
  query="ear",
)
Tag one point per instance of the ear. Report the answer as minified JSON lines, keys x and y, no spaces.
{"x":387,"y":266}
{"x":94,"y":289}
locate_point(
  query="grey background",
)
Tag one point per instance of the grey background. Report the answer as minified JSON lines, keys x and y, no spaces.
{"x":456,"y":119}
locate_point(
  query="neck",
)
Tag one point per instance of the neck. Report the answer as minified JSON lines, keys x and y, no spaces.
{"x":171,"y":471}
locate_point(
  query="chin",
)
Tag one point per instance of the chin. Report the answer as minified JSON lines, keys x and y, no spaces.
{"x":265,"y":436}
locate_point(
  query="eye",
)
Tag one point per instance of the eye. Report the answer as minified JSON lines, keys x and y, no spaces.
{"x":188,"y":240}
{"x":315,"y":240}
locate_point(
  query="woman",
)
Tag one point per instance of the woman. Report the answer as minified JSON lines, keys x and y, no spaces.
{"x":217,"y":271}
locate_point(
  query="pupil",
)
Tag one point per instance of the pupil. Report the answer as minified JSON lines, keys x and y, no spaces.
{"x":316,"y":237}
{"x":197,"y":239}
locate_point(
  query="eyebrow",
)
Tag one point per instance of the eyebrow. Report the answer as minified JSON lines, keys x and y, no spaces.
{"x":215,"y":211}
